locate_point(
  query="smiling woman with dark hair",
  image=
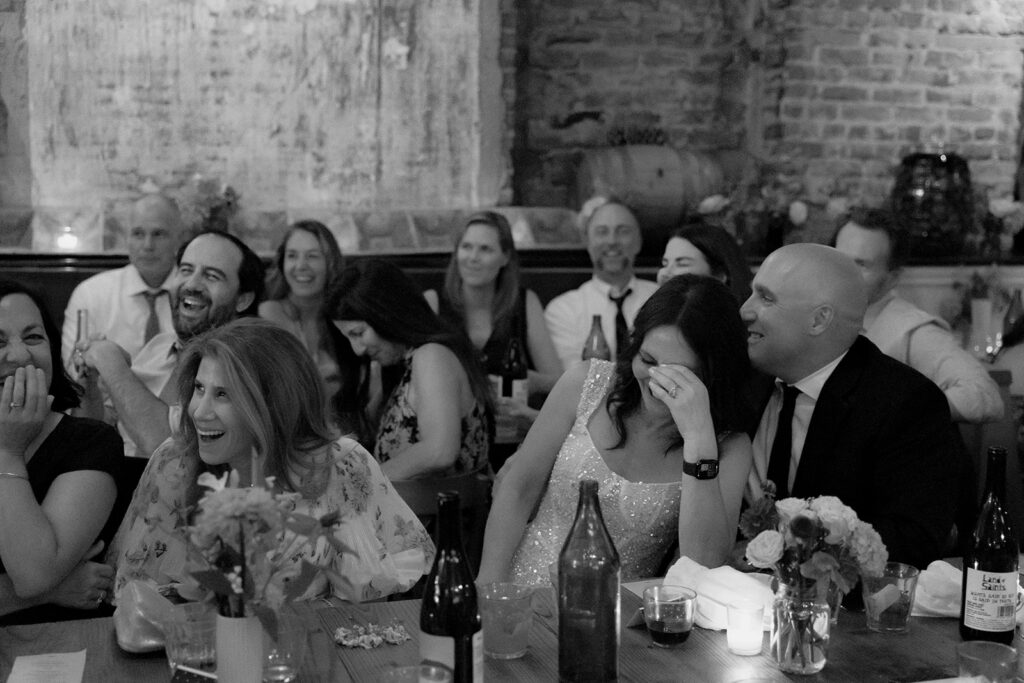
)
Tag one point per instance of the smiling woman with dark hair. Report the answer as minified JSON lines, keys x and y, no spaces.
{"x":662,"y":432}
{"x":57,"y":474}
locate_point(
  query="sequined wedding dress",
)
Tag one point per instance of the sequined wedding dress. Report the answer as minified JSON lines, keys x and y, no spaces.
{"x":642,"y":518}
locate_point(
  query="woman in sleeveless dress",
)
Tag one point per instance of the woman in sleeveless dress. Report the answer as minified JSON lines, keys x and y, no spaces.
{"x":307,"y":261}
{"x":436,"y":421}
{"x":482,"y":296}
{"x":674,"y":403}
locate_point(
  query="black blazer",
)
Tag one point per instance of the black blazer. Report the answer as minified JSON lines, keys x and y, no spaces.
{"x":881,"y":439}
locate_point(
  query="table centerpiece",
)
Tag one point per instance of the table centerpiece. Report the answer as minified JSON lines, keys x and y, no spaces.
{"x":809,"y":544}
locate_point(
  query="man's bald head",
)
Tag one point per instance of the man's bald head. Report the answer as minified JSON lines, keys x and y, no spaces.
{"x":154,"y":234}
{"x":807,"y":308}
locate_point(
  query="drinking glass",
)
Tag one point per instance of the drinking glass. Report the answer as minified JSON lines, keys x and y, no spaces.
{"x":416,"y":673}
{"x":507,"y":615}
{"x":889,"y":598}
{"x":283,"y":655}
{"x":668,"y":611}
{"x":996,"y":662}
{"x":190,"y":636}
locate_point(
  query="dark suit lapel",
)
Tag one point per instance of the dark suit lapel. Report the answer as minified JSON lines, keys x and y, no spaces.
{"x":830,"y":411}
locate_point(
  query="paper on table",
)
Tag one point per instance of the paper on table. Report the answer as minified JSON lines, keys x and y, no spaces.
{"x":56,"y":667}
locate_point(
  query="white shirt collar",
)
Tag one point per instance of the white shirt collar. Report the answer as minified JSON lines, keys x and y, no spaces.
{"x":813,"y":383}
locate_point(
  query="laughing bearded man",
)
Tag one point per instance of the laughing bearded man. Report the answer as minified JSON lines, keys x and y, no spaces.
{"x":218,"y":279}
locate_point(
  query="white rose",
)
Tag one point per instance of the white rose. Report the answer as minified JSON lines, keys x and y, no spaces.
{"x":712,"y":204}
{"x":789,"y":508}
{"x":765,"y":549}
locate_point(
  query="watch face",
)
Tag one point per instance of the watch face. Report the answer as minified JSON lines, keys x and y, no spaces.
{"x":707,"y":469}
{"x":704,"y":469}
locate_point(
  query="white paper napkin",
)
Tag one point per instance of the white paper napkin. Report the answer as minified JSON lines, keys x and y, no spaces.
{"x":717,"y":587}
{"x":938,"y":592}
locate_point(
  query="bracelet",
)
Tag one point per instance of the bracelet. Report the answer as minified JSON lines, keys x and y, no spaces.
{"x":13,"y":475}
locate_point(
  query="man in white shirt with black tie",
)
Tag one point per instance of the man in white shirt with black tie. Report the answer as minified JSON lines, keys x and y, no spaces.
{"x":131,"y":305}
{"x":614,"y":292}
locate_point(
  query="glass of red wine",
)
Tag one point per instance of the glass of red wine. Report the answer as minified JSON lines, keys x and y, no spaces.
{"x":668,"y":611}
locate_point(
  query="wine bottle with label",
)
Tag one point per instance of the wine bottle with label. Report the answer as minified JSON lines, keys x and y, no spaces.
{"x":596,"y":345}
{"x":512,"y":383}
{"x":988,"y":595}
{"x":451,"y":633}
{"x":588,"y":596}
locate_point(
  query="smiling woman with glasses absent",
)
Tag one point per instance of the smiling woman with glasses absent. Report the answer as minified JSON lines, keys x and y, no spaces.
{"x":58,"y":475}
{"x":483,"y":296}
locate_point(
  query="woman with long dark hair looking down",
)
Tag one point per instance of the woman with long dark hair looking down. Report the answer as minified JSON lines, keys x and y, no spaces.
{"x":436,"y":420}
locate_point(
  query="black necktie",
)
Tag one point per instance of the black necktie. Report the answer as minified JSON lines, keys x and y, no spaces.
{"x":153,"y":321}
{"x":782,"y":447}
{"x":621,"y":328}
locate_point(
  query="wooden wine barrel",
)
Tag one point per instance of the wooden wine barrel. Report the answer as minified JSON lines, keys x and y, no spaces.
{"x":658,"y":183}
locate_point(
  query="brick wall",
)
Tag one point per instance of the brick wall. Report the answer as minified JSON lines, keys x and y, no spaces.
{"x":865,"y":82}
{"x":587,"y":66}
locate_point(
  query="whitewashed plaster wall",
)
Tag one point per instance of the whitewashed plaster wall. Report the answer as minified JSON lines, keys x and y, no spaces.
{"x":307,"y":108}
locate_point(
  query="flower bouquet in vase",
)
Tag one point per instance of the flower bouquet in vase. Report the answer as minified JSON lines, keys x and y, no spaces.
{"x":247,"y":540}
{"x":813,"y":546}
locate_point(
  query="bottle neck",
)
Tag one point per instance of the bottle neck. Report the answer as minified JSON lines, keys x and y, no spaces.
{"x":995,"y":477}
{"x":449,"y":529}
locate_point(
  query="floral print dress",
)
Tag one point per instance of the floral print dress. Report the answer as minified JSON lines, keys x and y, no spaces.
{"x":399,"y":428}
{"x":391,"y":547}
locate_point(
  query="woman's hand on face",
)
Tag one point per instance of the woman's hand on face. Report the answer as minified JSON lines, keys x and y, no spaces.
{"x":681,"y":390}
{"x":24,"y":406}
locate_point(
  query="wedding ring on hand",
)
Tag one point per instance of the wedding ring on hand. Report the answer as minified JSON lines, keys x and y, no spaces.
{"x":16,"y":405}
{"x":672,"y":392}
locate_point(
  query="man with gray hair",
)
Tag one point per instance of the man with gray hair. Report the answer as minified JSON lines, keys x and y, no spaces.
{"x":613,"y":240}
{"x":131,"y":305}
{"x":844,"y":419}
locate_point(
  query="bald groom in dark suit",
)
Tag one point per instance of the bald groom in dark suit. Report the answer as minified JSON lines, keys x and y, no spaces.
{"x":858,"y":424}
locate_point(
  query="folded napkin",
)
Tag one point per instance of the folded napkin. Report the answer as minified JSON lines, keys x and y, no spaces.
{"x":140,"y":616}
{"x":718,"y":587}
{"x":938,"y":592}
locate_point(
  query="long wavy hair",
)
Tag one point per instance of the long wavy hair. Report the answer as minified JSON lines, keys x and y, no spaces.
{"x":65,"y":391}
{"x":381,"y":295}
{"x":707,"y":315}
{"x":506,"y":286}
{"x":275,"y":387}
{"x":722,"y":254}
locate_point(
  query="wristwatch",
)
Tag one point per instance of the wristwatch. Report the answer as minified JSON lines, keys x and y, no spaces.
{"x":702,"y":469}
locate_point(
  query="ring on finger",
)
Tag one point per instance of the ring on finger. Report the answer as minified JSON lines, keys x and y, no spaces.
{"x":16,"y":405}
{"x":672,"y":392}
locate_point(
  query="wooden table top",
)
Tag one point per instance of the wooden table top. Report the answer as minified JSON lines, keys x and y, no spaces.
{"x":855,"y":653}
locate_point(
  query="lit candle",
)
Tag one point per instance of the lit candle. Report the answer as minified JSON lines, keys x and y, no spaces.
{"x":744,"y":634}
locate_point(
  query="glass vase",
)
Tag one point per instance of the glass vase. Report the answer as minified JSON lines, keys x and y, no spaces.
{"x":801,"y":623}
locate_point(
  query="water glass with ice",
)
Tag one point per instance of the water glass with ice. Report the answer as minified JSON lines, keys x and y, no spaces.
{"x":507,"y":615}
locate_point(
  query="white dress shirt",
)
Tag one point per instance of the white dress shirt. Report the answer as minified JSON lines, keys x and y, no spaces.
{"x":810,"y":389}
{"x":117,"y":309}
{"x":569,"y":315}
{"x":153,"y":366}
{"x":923,"y":341}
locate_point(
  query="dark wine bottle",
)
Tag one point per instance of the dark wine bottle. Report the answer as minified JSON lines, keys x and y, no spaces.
{"x":588,"y":596}
{"x":596,"y":345}
{"x":451,"y":634}
{"x":512,"y":383}
{"x":988,"y":595}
